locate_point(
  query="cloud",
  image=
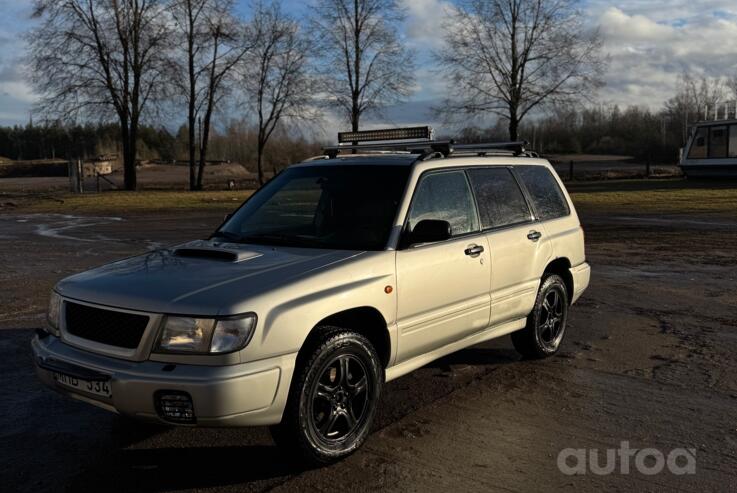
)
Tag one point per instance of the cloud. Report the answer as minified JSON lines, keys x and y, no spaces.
{"x":20,"y":91}
{"x":618,"y":26}
{"x":649,"y":42}
{"x":425,"y":20}
{"x":649,"y":47}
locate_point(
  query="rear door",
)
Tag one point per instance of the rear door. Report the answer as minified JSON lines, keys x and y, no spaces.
{"x":443,"y":287}
{"x":558,"y":220}
{"x":518,"y":255}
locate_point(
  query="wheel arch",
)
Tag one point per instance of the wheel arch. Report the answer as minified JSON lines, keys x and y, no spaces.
{"x":365,"y":320}
{"x":561,"y":266}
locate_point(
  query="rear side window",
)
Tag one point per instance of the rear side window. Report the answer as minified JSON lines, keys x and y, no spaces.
{"x":732,"y":141}
{"x":698,"y":145}
{"x":547,"y":197}
{"x":445,"y":196}
{"x":718,"y":142}
{"x":499,"y":197}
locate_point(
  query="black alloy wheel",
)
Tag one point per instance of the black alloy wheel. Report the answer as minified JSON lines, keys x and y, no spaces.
{"x":546,"y":323}
{"x":333,"y":397}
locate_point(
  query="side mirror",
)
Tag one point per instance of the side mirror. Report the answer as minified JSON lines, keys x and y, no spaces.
{"x":430,"y":231}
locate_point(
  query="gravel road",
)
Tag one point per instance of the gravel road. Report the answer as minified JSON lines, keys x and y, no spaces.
{"x":649,"y":359}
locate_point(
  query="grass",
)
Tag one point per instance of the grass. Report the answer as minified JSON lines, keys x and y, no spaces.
{"x":656,"y":196}
{"x":624,"y":196}
{"x":144,"y":201}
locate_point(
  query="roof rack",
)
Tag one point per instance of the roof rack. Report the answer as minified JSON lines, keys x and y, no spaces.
{"x":415,"y":140}
{"x":442,"y":146}
{"x":516,"y":147}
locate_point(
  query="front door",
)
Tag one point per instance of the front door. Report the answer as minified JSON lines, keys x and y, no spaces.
{"x":518,"y":246}
{"x":442,"y":288}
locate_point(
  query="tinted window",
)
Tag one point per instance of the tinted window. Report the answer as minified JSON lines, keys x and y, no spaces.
{"x":718,"y":142}
{"x":547,"y":197}
{"x":733,"y":141}
{"x":348,"y":207}
{"x":500,"y":199}
{"x":698,"y":146}
{"x":445,"y":196}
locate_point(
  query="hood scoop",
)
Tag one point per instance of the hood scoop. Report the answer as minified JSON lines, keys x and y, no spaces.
{"x":213,"y":253}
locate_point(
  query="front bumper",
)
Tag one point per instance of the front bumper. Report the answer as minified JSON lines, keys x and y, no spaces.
{"x":247,"y":394}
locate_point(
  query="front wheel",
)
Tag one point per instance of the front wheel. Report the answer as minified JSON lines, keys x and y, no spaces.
{"x":333,"y":398}
{"x":546,"y":324}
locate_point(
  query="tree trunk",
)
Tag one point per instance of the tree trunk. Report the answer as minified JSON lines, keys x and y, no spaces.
{"x":355,"y":116}
{"x":129,"y":156}
{"x":259,"y":162}
{"x":203,"y":158}
{"x":203,"y":144}
{"x":191,"y":111}
{"x":132,"y":183}
{"x":513,"y":123}
{"x":355,"y":110}
{"x":191,"y":136}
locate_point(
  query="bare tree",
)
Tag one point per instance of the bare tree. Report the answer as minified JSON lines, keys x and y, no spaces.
{"x":696,"y":98}
{"x":276,"y":81}
{"x":731,"y":84}
{"x":91,"y":56}
{"x":366,"y":65}
{"x":508,"y":57}
{"x":212,"y":45}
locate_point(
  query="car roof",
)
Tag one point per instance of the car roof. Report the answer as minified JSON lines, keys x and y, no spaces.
{"x":407,"y":159}
{"x":402,"y":159}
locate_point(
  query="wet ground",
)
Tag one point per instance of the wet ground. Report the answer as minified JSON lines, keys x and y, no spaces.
{"x":650,"y":359}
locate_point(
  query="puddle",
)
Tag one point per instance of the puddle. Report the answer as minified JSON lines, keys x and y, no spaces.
{"x":676,"y":220}
{"x":63,"y":226}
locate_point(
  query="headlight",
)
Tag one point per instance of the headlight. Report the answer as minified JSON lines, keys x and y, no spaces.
{"x":205,"y":335}
{"x":53,"y":316}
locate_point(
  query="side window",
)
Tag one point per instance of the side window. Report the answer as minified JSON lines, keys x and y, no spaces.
{"x":547,"y":197}
{"x":698,"y":146}
{"x":445,"y":196}
{"x":718,"y":142}
{"x":500,"y":199}
{"x":733,"y":141}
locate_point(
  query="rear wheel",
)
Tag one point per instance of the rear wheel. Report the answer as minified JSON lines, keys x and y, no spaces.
{"x":546,"y":324}
{"x":332,"y":399}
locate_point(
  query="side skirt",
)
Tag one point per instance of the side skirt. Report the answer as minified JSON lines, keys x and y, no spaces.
{"x":484,"y":335}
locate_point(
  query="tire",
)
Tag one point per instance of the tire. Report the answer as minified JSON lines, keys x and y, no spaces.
{"x":543,"y":334}
{"x":332,"y":400}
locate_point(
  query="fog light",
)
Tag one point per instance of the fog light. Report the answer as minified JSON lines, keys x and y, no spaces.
{"x":175,"y":406}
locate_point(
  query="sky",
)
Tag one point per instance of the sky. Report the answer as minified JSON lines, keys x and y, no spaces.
{"x":649,"y":42}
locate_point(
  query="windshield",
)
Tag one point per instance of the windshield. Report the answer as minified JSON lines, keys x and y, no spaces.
{"x":345,"y":207}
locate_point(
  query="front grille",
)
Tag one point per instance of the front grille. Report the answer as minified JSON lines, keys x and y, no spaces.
{"x":105,"y":326}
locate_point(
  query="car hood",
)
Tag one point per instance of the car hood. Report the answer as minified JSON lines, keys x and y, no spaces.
{"x":196,"y":278}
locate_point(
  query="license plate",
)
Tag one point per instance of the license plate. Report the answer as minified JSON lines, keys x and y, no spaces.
{"x":96,"y":388}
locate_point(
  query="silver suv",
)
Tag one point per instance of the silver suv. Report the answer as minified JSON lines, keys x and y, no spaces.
{"x":342,"y":273}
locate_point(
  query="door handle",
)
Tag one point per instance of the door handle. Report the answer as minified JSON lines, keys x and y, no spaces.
{"x":474,"y":250}
{"x":534,"y":235}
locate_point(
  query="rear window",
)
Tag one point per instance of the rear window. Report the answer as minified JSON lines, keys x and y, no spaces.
{"x":546,"y":195}
{"x":732,"y":141}
{"x":698,"y":145}
{"x":499,"y":197}
{"x":718,"y":142}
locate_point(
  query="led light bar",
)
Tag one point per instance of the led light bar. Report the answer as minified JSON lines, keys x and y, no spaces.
{"x":386,"y":134}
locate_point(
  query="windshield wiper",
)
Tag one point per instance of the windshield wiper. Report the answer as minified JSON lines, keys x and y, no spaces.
{"x":234,"y":237}
{"x":278,"y":239}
